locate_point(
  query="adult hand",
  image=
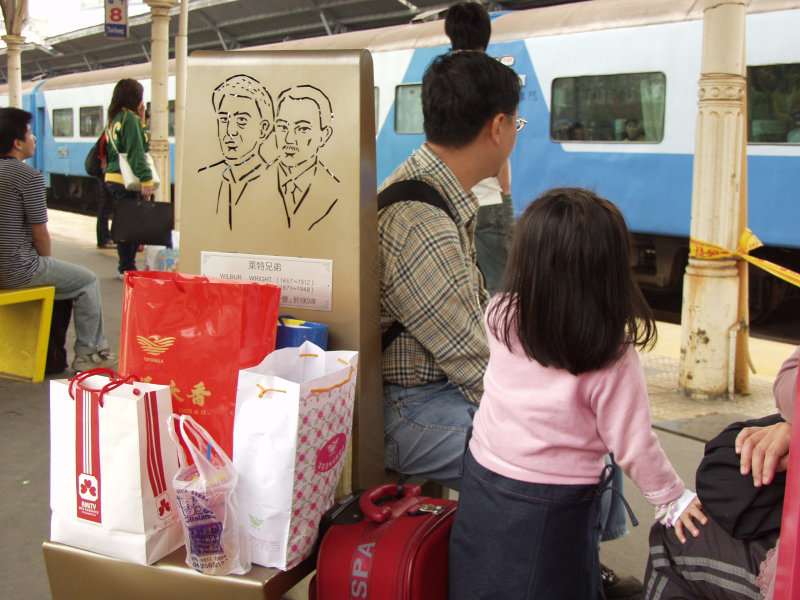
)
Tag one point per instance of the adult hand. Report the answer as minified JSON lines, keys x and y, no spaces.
{"x":147,"y":192}
{"x":687,"y":518}
{"x":764,"y":451}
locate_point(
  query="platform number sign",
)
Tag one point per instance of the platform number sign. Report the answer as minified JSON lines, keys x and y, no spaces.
{"x":117,"y":19}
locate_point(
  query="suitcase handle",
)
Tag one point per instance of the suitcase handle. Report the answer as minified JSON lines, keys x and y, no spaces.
{"x":368,"y":501}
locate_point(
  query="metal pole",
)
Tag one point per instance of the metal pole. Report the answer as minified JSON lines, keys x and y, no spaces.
{"x":711,"y":287}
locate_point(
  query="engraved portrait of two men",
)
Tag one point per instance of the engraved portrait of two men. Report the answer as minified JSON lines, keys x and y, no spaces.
{"x":270,"y":152}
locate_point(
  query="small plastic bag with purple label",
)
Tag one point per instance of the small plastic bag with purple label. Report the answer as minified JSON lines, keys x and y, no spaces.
{"x":216,"y":541}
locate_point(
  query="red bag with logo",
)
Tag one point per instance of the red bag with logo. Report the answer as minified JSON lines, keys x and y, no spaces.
{"x":194,"y":334}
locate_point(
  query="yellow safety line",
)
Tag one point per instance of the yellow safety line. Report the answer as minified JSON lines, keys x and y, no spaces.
{"x":747,"y":243}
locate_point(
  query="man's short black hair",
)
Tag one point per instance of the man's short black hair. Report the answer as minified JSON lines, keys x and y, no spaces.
{"x":461,"y":92}
{"x":13,"y":126}
{"x":468,"y":26}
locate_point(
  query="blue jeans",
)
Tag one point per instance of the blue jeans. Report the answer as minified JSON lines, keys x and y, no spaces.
{"x":125,"y":251}
{"x":426,"y":430}
{"x":81,"y":286}
{"x":493,"y":228}
{"x":515,"y":539}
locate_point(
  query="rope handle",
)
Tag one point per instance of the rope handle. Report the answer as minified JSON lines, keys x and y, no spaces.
{"x":116,"y":380}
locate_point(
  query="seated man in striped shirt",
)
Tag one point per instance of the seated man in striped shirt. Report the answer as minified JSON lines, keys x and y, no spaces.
{"x":25,"y":259}
{"x":430,"y":284}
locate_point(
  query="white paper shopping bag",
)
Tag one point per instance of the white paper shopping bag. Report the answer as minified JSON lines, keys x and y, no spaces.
{"x":292,"y":426}
{"x":111,"y":467}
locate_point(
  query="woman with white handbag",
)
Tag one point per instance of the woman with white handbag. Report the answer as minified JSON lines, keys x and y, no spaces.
{"x":129,"y":173}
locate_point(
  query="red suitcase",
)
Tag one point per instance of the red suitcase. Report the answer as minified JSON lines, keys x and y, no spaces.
{"x":395,"y":548}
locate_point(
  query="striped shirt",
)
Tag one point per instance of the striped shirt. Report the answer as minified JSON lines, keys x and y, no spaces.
{"x":22,"y":204}
{"x":431,"y":284}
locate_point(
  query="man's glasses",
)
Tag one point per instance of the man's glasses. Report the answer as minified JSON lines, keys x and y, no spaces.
{"x":520,"y":122}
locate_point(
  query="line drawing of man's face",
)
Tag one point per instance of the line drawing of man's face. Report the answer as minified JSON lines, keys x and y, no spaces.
{"x":240,"y":127}
{"x":300,"y":133}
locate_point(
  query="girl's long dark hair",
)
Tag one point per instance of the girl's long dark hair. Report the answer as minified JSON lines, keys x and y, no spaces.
{"x":568,"y":293}
{"x":128,"y":93}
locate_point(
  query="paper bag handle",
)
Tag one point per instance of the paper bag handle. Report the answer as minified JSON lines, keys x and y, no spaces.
{"x":116,"y":380}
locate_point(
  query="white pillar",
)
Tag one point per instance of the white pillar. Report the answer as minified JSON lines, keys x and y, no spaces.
{"x":159,"y":56}
{"x":711,"y":287}
{"x":14,"y":44}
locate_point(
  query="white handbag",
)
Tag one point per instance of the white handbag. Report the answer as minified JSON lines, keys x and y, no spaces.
{"x":130,"y":180}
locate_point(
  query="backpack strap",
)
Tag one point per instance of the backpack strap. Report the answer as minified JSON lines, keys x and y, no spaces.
{"x":412,"y":190}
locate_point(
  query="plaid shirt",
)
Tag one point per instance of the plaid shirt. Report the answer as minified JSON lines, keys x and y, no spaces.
{"x":431,"y":284}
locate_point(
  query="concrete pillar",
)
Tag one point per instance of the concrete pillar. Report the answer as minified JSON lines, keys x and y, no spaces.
{"x":159,"y":142}
{"x":14,"y":44}
{"x":711,"y":287}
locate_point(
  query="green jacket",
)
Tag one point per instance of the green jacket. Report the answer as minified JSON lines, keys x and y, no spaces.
{"x":131,"y":138}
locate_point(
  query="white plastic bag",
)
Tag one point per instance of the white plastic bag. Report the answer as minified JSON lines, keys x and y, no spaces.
{"x":216,"y":541}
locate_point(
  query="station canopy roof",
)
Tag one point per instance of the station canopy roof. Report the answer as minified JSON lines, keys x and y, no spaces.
{"x":228,"y":25}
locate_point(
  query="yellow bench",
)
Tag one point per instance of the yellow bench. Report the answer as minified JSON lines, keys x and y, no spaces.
{"x":25,"y":315}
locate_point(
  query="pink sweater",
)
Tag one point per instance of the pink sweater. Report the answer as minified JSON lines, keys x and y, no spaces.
{"x":545,"y":425}
{"x":785,"y":385}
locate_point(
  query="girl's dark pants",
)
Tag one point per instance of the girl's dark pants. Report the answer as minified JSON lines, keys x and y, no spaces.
{"x":514,"y":540}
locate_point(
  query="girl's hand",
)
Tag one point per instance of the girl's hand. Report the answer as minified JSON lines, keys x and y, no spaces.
{"x":693,"y":511}
{"x":147,"y":191}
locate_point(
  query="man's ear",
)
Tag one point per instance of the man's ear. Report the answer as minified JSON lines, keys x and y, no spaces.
{"x":266,"y":129}
{"x":495,"y":127}
{"x":326,"y":134}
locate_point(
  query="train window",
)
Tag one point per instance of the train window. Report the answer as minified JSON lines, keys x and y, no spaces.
{"x":408,"y":108}
{"x":63,"y":122}
{"x":91,"y":121}
{"x":773,"y":104}
{"x":625,"y":107}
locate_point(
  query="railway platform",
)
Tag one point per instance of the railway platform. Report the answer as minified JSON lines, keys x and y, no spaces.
{"x":681,"y":424}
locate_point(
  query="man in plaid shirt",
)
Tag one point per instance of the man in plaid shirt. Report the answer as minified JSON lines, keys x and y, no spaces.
{"x":430,"y":283}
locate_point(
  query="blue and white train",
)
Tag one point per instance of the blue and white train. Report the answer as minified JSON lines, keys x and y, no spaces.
{"x":610,"y":96}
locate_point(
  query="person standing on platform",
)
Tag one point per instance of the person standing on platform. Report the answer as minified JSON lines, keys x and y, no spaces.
{"x":468,"y":26}
{"x":430,"y":284}
{"x":105,"y":204}
{"x":560,"y":393}
{"x":25,"y":250}
{"x":126,"y":133}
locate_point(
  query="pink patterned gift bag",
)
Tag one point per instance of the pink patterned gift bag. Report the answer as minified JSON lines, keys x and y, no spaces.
{"x":292,"y":426}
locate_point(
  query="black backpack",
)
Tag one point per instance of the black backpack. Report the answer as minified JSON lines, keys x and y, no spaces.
{"x":92,"y":163}
{"x":402,"y":191}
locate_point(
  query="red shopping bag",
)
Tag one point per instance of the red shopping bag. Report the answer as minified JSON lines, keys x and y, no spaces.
{"x":194,"y":334}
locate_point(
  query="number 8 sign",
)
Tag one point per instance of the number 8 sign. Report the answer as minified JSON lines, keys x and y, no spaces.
{"x":116,"y":25}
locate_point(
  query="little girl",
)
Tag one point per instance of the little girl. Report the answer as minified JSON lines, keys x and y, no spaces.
{"x":564,"y":386}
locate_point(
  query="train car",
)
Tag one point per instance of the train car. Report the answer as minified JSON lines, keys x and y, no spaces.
{"x":609,"y":91}
{"x":69,"y":115}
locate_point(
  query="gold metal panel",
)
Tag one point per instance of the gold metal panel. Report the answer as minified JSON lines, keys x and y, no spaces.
{"x":279,"y":159}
